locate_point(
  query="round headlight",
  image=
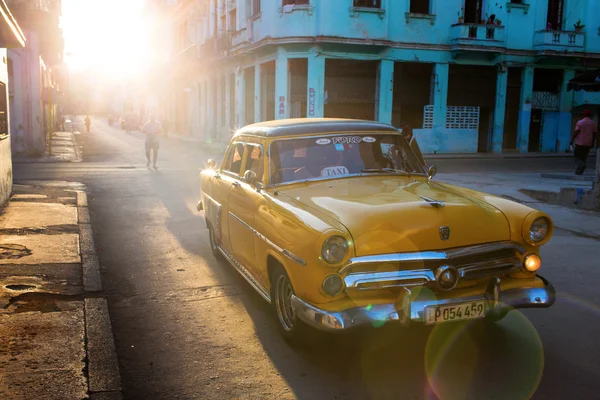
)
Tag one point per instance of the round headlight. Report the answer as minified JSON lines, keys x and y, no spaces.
{"x":539,"y":229}
{"x":333,"y":285}
{"x":334,"y":249}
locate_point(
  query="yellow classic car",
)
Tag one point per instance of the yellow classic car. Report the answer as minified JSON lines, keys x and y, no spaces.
{"x":338,"y":224}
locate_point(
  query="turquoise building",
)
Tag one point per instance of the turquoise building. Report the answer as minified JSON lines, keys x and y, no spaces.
{"x":468,"y":75}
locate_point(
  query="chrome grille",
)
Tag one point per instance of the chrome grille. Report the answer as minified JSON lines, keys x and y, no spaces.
{"x":416,"y":269}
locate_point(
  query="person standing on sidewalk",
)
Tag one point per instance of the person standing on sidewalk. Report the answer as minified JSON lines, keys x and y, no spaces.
{"x":88,"y":123}
{"x":152,"y":129}
{"x":584,"y":139}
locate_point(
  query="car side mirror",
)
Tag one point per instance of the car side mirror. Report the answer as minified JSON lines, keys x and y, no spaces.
{"x":414,"y":146}
{"x":431,"y":172}
{"x":250,"y":177}
{"x":212,"y":164}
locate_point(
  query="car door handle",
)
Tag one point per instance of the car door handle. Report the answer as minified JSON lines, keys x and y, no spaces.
{"x":236,"y":184}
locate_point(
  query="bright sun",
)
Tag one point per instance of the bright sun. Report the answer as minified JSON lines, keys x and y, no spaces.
{"x":108,"y":37}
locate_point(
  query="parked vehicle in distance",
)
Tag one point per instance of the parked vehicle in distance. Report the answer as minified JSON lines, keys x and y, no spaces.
{"x":338,"y":224}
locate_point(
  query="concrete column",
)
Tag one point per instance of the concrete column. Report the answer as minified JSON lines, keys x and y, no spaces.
{"x":228,"y":100}
{"x":210,"y":107}
{"x":565,"y":117}
{"x":257,"y":93}
{"x":240,"y":99}
{"x":385,"y":91}
{"x":219,"y":90}
{"x":499,"y":111}
{"x":525,"y":109}
{"x":440,"y":96}
{"x":315,"y":106}
{"x":281,"y":87}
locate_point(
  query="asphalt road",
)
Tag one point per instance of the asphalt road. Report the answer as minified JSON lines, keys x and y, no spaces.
{"x":186,"y":326}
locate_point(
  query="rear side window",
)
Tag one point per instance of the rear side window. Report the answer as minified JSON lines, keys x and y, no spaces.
{"x":234,"y":159}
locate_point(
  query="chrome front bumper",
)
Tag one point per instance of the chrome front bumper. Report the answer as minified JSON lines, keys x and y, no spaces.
{"x":413,"y":309}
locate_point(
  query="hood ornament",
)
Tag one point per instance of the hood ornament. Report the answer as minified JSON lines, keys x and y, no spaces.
{"x":433,"y":202}
{"x":444,"y":232}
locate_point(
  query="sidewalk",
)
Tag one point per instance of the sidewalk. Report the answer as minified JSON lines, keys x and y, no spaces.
{"x":55,"y":333}
{"x":65,"y":148}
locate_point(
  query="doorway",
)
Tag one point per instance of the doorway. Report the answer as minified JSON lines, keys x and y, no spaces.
{"x":535,"y":130}
{"x":473,"y":9}
{"x":555,"y":14}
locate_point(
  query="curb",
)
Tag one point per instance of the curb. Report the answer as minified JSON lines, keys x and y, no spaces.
{"x":104,"y":378}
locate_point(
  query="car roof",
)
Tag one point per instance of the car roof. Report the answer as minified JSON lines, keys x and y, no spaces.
{"x":310,"y":126}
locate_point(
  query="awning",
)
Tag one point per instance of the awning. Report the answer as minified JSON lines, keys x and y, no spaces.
{"x":589,"y":82}
{"x":11,"y":34}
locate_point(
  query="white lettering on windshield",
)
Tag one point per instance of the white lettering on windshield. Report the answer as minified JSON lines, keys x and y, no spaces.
{"x":347,"y":140}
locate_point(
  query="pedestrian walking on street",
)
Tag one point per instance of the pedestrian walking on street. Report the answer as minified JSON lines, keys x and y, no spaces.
{"x":152,"y":129}
{"x":88,"y":123}
{"x":584,"y":139}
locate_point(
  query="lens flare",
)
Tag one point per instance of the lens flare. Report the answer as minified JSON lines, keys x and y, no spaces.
{"x":463,"y":360}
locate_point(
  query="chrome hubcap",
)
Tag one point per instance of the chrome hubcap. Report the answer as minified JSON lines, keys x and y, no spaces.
{"x":283,"y":303}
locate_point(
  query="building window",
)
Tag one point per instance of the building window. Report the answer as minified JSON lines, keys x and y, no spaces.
{"x":295,"y":2}
{"x":367,"y":3}
{"x":255,"y":7}
{"x":420,"y":6}
{"x":3,"y":111}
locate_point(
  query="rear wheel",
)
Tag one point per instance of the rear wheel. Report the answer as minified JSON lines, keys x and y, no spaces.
{"x":291,"y":327}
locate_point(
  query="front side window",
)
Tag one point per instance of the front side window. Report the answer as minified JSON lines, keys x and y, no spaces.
{"x":234,"y":159}
{"x":367,"y":3}
{"x":338,"y":156}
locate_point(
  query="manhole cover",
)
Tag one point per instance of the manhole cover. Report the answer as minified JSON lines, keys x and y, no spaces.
{"x":19,"y":288}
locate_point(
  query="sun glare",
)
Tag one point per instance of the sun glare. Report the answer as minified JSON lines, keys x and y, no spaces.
{"x":108,"y":37}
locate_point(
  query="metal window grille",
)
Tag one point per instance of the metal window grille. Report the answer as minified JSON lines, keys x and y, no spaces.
{"x":457,"y":117}
{"x":545,"y":101}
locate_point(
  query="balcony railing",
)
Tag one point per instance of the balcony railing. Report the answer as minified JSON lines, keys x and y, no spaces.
{"x":583,"y":98}
{"x":478,"y":35}
{"x":559,"y":41}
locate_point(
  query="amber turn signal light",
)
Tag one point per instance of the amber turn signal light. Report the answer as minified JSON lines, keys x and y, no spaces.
{"x":532,"y":263}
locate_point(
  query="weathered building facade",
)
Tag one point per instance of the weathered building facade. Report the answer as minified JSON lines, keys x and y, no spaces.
{"x":11,"y":36}
{"x":467,"y":75}
{"x":35,"y":74}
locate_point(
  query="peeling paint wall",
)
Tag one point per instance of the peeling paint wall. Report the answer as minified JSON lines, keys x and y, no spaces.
{"x":6,"y":177}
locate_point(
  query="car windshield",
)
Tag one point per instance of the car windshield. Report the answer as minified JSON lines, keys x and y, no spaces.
{"x":293,"y":160}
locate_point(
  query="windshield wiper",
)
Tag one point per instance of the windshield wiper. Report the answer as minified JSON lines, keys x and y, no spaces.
{"x":390,"y":170}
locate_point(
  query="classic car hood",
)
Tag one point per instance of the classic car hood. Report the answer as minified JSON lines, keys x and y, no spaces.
{"x":386,"y":214}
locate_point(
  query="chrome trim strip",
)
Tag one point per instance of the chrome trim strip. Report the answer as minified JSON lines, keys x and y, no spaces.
{"x":283,"y":251}
{"x":245,"y":274}
{"x":412,"y":309}
{"x":431,"y":255}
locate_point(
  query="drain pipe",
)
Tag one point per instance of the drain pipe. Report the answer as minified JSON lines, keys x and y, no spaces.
{"x":596,"y":188}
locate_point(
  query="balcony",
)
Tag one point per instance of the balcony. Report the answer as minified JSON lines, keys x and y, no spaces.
{"x":559,"y":41}
{"x":583,"y":98}
{"x":477,"y":37}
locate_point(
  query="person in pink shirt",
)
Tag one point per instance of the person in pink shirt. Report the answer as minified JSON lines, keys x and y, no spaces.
{"x":584,"y":139}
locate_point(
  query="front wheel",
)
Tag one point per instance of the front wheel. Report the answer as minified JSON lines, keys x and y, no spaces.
{"x":214,"y":246}
{"x":292,"y":328}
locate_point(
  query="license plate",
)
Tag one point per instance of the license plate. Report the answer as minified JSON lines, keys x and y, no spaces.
{"x":454,"y":312}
